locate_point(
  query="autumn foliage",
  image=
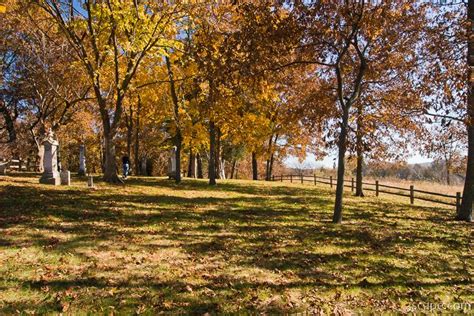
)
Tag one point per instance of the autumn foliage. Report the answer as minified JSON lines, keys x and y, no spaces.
{"x":236,"y":87}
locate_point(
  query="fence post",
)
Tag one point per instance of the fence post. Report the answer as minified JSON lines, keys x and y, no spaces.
{"x":273,"y":178}
{"x":330,"y":180}
{"x":314,"y":179}
{"x":412,"y":194}
{"x":301,"y":178}
{"x":281,"y":178}
{"x":291,"y":178}
{"x":352,"y":184}
{"x":458,"y":202}
{"x":376,"y":187}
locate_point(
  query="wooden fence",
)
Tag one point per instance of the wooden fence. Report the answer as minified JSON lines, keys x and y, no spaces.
{"x":14,"y":164}
{"x":451,"y":200}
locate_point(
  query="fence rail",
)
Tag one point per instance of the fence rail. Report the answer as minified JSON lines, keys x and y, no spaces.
{"x":379,"y":188}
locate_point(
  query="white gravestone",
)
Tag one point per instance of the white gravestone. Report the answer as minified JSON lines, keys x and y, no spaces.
{"x":172,"y":163}
{"x":50,"y":161}
{"x":65,"y":177}
{"x":90,"y":181}
{"x":82,"y":161}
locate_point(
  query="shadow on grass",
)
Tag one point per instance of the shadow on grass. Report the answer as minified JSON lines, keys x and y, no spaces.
{"x":288,"y":235}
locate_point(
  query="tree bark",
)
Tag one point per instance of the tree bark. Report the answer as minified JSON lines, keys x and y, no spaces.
{"x":178,"y":136}
{"x":39,"y":148}
{"x":270,"y":151}
{"x":360,"y":153}
{"x":254,"y":166}
{"x":110,"y":164}
{"x":200,"y":174}
{"x":222,"y":168}
{"x":465,"y":211}
{"x":212,"y":153}
{"x":192,"y":164}
{"x":337,"y":218}
{"x":101,"y":140}
{"x":178,"y":144}
{"x":270,"y":172}
{"x":267,"y":168}
{"x":129,"y":124}
{"x":137,"y":137}
{"x":218,"y":154}
{"x":448,"y":175}
{"x":129,"y":139}
{"x":9,"y":122}
{"x":359,"y":176}
{"x":232,"y":170}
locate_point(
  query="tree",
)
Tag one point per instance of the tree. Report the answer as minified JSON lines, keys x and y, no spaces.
{"x":111,"y":39}
{"x":341,"y":39}
{"x":449,"y":81}
{"x":40,"y":87}
{"x":446,"y":144}
{"x":465,"y":212}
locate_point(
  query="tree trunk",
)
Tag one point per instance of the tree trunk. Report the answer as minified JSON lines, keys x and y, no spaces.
{"x":270,"y":171}
{"x":267,"y":169}
{"x":178,"y":144}
{"x":212,"y":153}
{"x":39,"y":148}
{"x":40,"y":158}
{"x":129,"y":140}
{"x":448,"y":180}
{"x":254,"y":166}
{"x":359,"y":176}
{"x":200,"y":175}
{"x":110,"y":164}
{"x":272,"y":158}
{"x":465,"y":211}
{"x":232,"y":170}
{"x":270,"y":151}
{"x":218,"y":154}
{"x":178,"y":137}
{"x":129,"y":125}
{"x":102,"y":153}
{"x":221,"y":163}
{"x":192,"y":164}
{"x":337,"y":217}
{"x":137,"y":137}
{"x":360,"y":153}
{"x":9,"y":122}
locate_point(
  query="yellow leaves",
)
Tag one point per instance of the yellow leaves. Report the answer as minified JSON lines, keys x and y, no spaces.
{"x":181,"y":111}
{"x":204,"y":86}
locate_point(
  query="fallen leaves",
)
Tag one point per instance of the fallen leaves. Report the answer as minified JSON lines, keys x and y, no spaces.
{"x":175,"y":260}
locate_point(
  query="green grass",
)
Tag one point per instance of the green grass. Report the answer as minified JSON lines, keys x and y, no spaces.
{"x":152,"y":246}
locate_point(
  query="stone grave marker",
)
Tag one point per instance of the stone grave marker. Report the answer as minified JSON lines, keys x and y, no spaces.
{"x":65,"y":177}
{"x":50,"y":161}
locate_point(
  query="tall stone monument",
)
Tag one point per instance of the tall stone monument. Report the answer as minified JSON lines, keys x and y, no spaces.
{"x":172,"y":163}
{"x":50,"y":161}
{"x":82,"y":160}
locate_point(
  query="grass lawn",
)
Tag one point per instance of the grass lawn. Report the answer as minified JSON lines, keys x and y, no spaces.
{"x":152,"y":246}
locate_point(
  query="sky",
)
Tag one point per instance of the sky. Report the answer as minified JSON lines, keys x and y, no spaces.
{"x":311,"y":163}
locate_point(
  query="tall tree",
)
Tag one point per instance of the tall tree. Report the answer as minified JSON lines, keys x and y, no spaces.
{"x":112,"y":39}
{"x":449,"y":82}
{"x":341,"y":39}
